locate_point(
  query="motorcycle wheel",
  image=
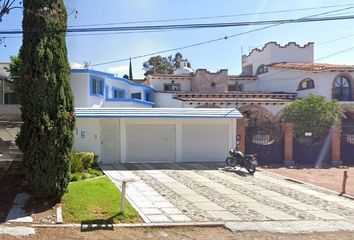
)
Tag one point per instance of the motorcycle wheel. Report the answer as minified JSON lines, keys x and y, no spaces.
{"x":251,"y":168}
{"x":230,"y":162}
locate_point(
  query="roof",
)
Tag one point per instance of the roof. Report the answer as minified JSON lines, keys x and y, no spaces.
{"x":260,"y":100}
{"x":157,"y":113}
{"x":312,"y":67}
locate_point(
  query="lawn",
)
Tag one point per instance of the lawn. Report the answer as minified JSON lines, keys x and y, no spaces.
{"x":95,"y":201}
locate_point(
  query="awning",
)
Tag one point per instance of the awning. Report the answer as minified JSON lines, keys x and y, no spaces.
{"x":157,"y":113}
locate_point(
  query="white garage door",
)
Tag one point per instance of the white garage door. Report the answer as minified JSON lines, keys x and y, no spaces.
{"x":151,"y":143}
{"x":201,"y":143}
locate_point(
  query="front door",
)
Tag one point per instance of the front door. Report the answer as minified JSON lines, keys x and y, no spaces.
{"x":110,"y":144}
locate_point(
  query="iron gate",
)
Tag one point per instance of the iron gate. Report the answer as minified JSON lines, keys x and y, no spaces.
{"x":267,"y":141}
{"x":312,"y":151}
{"x":347,"y":144}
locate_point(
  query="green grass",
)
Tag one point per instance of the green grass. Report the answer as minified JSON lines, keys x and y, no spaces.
{"x":95,"y":201}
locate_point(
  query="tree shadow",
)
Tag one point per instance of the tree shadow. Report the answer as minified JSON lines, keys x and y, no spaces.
{"x":99,"y":224}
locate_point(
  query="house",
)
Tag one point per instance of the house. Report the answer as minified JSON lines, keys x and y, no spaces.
{"x":9,"y":108}
{"x":203,"y":89}
{"x":291,"y":68}
{"x":116,"y":120}
{"x":93,"y":88}
{"x":271,"y":77}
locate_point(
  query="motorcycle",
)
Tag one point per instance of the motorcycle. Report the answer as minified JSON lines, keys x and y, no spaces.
{"x":238,"y":159}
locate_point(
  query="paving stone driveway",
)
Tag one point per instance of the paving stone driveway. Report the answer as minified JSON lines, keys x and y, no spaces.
{"x":195,"y":192}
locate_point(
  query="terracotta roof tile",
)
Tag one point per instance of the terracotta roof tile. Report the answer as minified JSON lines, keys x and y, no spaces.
{"x":313,"y":67}
{"x":262,"y":100}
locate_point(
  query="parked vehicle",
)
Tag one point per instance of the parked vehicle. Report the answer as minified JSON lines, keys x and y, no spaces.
{"x":238,"y":159}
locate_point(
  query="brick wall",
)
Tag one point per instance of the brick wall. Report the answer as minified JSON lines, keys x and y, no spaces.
{"x":288,"y":144}
{"x":204,"y":81}
{"x":241,"y":133}
{"x":336,"y":140}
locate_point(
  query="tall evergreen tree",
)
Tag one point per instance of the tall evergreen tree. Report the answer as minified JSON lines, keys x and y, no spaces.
{"x":46,"y":136}
{"x":130,"y":70}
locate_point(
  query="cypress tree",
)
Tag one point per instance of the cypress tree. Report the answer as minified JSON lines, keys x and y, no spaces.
{"x":46,"y":136}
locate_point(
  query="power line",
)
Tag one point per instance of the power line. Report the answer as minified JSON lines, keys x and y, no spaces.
{"x":187,"y":26}
{"x":206,"y":42}
{"x":216,"y":16}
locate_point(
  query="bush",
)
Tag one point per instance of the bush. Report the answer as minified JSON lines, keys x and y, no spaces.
{"x":75,"y":177}
{"x":96,"y":172}
{"x":88,"y":159}
{"x":81,"y":161}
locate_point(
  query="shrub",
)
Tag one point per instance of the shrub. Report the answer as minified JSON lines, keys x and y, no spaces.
{"x":76,"y":163}
{"x":96,"y":172}
{"x":88,"y":159}
{"x":75,"y":177}
{"x":81,"y":161}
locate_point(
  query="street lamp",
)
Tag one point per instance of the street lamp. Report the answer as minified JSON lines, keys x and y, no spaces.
{"x":6,"y":7}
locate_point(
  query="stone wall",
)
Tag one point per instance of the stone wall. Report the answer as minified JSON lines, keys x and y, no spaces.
{"x":204,"y":81}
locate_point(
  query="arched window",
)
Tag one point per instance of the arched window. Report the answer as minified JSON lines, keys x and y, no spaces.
{"x":342,"y":89}
{"x":262,"y":69}
{"x":307,"y":83}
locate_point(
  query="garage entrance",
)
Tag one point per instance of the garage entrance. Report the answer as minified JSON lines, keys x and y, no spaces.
{"x":151,"y":143}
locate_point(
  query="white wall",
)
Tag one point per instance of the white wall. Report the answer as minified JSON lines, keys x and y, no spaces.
{"x":273,"y":53}
{"x":165,"y":100}
{"x":289,"y":80}
{"x":80,"y":88}
{"x":158,"y":83}
{"x":88,"y":135}
{"x":112,"y":104}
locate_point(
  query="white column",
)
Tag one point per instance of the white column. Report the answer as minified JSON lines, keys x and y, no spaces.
{"x":123,"y":141}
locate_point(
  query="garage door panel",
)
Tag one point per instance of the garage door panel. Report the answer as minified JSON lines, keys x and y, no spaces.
{"x":151,"y":142}
{"x":205,"y":142}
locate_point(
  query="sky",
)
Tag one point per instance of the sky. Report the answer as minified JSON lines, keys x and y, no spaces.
{"x":329,"y":37}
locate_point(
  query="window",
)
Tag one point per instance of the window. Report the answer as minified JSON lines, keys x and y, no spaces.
{"x":306,"y":84}
{"x":136,"y":95}
{"x":148,"y":96}
{"x":342,"y":89}
{"x":118,"y":93}
{"x":97,"y":86}
{"x":172,"y":87}
{"x":262,"y":69}
{"x":236,"y":87}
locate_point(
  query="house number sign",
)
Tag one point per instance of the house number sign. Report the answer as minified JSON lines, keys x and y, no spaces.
{"x":81,"y":133}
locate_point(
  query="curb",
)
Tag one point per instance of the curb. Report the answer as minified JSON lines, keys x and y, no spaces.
{"x":134,"y":225}
{"x":310,"y":184}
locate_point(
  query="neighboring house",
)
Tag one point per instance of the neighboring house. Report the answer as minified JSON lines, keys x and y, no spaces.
{"x":9,"y":108}
{"x":203,"y":89}
{"x":99,"y":89}
{"x":291,"y":68}
{"x":7,"y":95}
{"x":270,"y":78}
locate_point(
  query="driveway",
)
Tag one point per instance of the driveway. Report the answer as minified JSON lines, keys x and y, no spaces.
{"x":195,"y":192}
